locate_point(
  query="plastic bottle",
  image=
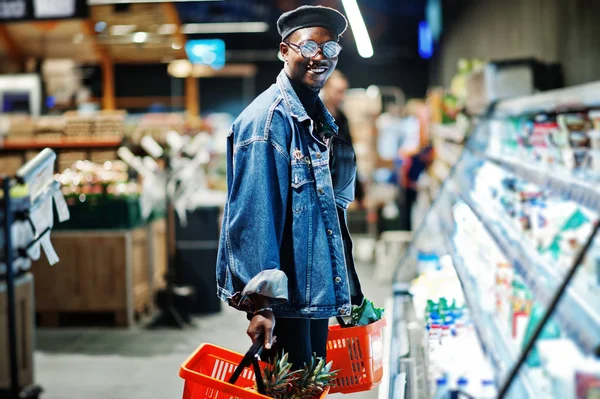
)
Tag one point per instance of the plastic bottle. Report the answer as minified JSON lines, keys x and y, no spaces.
{"x":462,"y":386}
{"x":488,"y":389}
{"x":441,"y":389}
{"x":445,"y":332}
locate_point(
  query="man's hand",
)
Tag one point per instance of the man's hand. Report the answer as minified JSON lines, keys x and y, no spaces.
{"x":262,"y":323}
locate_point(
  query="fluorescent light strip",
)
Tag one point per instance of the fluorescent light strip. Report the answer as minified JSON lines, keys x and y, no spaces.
{"x":361,"y":36}
{"x":226,"y":27}
{"x":122,"y":29}
{"x":167,"y":29}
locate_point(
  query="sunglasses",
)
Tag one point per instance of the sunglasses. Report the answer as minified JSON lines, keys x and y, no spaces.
{"x":309,"y":49}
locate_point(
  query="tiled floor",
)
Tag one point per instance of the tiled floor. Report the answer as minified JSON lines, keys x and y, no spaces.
{"x":143,"y":364}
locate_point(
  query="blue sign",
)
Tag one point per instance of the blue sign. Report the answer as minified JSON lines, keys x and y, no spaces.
{"x":433,"y":12}
{"x":210,"y":52}
{"x":425,"y":40}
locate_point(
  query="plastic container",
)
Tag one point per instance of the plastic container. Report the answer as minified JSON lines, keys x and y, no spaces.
{"x":357,"y":352}
{"x":441,"y":389}
{"x":207,"y":370}
{"x":428,"y":262}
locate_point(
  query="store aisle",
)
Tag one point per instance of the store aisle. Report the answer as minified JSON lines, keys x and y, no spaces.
{"x":142,"y":364}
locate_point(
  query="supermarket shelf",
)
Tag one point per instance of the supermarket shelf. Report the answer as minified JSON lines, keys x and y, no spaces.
{"x":501,"y":352}
{"x":440,"y":171}
{"x":558,"y":180}
{"x":449,"y":152}
{"x":586,"y":95}
{"x":75,"y":142}
{"x":451,"y":132}
{"x":576,"y":315}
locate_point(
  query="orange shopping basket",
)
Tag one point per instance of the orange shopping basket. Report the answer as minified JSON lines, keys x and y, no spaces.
{"x":357,"y":352}
{"x":212,"y":372}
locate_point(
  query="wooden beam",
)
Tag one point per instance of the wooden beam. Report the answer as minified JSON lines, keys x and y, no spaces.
{"x":192,"y":97}
{"x":88,"y":29}
{"x":230,"y":70}
{"x":173,"y":18}
{"x":108,"y":84}
{"x":146,"y":102}
{"x":12,"y":48}
{"x":106,"y":62}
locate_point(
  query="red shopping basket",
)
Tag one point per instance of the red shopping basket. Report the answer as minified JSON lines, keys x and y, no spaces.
{"x":207,"y":372}
{"x":357,"y":352}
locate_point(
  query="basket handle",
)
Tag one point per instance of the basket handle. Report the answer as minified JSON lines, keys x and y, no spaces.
{"x":341,"y":321}
{"x":251,"y":357}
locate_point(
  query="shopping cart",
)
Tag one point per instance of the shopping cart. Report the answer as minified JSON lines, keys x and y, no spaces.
{"x":357,"y":352}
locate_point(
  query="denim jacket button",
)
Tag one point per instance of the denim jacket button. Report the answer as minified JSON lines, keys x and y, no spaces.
{"x":318,"y":155}
{"x":320,"y":190}
{"x":343,"y":311}
{"x":338,"y":279}
{"x":329,"y":231}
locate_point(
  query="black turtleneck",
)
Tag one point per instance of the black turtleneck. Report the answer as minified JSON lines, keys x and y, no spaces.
{"x":307,"y":96}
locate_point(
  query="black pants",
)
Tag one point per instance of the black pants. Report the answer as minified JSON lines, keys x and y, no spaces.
{"x":406,"y":206}
{"x":300,"y":338}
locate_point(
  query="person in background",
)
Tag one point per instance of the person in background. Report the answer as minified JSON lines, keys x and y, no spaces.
{"x":416,"y":156}
{"x":285,"y":254}
{"x":398,"y":133}
{"x":333,"y":95}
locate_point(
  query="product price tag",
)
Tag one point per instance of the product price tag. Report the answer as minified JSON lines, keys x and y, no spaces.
{"x":49,"y":249}
{"x":61,"y":207}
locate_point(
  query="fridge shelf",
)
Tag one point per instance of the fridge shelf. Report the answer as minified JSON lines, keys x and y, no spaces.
{"x":578,"y":317}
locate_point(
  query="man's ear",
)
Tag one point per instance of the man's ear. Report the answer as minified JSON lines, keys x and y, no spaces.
{"x":284,"y":49}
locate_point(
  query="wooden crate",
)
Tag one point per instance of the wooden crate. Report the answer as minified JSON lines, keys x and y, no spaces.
{"x":157,"y":236}
{"x":99,"y":271}
{"x":25,"y":331}
{"x":101,"y":156}
{"x":10,"y":163}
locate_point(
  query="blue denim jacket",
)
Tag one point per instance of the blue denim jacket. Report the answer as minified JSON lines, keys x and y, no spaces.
{"x":281,"y":236}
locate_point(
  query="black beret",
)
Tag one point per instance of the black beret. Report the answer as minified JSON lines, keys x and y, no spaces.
{"x":310,"y":16}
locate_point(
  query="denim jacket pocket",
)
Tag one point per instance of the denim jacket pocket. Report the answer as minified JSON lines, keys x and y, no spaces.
{"x":301,"y":177}
{"x":343,"y":172}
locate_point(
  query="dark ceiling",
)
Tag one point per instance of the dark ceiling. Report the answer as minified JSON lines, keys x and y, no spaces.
{"x":392,"y":24}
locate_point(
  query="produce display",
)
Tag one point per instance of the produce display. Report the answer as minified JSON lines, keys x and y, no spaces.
{"x":100,"y":196}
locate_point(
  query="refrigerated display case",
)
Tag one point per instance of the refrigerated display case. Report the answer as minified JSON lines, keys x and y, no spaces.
{"x":499,"y":293}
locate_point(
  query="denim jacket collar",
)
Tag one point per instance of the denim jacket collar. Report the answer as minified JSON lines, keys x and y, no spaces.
{"x":295,"y":106}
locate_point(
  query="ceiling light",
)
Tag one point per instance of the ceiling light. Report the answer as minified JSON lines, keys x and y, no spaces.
{"x":140,"y":37}
{"x":100,"y":26}
{"x":359,"y":30}
{"x":167,"y":29}
{"x":373,"y":91}
{"x":176,"y":46}
{"x":226,"y":27}
{"x":122,"y":29}
{"x":180,"y":68}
